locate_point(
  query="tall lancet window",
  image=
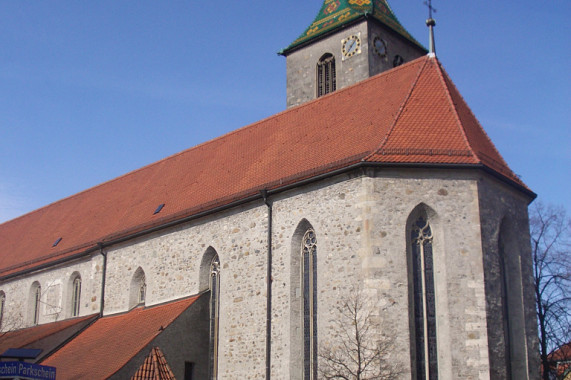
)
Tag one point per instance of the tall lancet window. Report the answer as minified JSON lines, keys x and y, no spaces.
{"x":214,"y":315}
{"x":424,"y":301}
{"x":326,"y":77}
{"x":36,"y":295}
{"x":2,"y":305}
{"x":309,"y":286}
{"x":75,"y":296}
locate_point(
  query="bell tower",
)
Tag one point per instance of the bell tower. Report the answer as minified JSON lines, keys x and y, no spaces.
{"x":349,"y":40}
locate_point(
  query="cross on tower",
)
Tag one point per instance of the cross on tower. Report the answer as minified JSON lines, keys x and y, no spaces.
{"x":430,"y":8}
{"x":431,"y":23}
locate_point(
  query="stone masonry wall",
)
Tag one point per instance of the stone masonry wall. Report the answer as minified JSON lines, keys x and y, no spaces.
{"x":504,"y":211}
{"x":171,"y":262}
{"x":302,"y":64}
{"x":360,"y":220}
{"x":360,"y":225}
{"x":56,"y":294}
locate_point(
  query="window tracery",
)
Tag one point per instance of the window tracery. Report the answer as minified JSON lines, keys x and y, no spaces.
{"x":36,"y":295}
{"x":309,"y":286}
{"x":138,"y":290}
{"x":76,"y":296}
{"x":142,"y":290}
{"x":424,"y":302}
{"x":214,"y":315}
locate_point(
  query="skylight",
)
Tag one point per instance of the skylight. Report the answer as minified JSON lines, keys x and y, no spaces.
{"x":159,"y":208}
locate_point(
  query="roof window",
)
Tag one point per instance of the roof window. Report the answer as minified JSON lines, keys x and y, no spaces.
{"x":159,"y":208}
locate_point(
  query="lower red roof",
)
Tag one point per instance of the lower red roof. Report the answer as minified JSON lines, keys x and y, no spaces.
{"x":155,"y":367}
{"x":46,"y":337}
{"x":112,"y":341}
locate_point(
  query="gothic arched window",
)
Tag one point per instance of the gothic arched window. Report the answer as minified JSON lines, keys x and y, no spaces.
{"x":35,"y":296}
{"x":214,"y":315}
{"x":424,"y":303}
{"x":326,"y":77}
{"x":75,"y":295}
{"x":2,"y":305}
{"x":309,"y":286}
{"x":138,"y":291}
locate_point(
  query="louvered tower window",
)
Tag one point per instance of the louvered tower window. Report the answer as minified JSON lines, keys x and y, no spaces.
{"x":309,"y":286}
{"x":326,"y":77}
{"x":76,"y":296}
{"x":214,"y":315}
{"x":424,"y":301}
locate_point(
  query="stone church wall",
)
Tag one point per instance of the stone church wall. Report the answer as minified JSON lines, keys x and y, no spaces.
{"x":360,"y":225}
{"x":56,"y":294}
{"x":504,"y":212}
{"x":360,"y":220}
{"x":172,"y":261}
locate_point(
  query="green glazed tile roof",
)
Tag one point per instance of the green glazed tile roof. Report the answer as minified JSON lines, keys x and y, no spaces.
{"x":338,"y":13}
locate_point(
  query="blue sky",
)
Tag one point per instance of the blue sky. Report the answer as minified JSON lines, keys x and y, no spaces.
{"x":90,"y":90}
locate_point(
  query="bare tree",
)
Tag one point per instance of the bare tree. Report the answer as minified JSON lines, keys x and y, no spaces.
{"x":551,"y":242}
{"x":356,"y":350}
{"x":11,"y":322}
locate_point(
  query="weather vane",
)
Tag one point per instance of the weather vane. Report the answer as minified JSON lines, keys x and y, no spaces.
{"x":431,"y":23}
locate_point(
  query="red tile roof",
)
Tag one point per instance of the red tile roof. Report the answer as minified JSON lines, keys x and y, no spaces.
{"x":111,"y":342}
{"x":560,"y":360}
{"x":155,"y":367}
{"x":39,"y":336}
{"x":412,"y":114}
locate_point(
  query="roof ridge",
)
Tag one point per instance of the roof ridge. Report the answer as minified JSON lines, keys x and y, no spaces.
{"x":205,"y":143}
{"x":456,"y":116}
{"x":401,"y":108}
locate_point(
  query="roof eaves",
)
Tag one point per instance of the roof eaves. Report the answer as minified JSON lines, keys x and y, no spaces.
{"x":180,"y":217}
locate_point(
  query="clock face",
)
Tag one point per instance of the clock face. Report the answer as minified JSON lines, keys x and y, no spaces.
{"x":380,"y":47}
{"x":351,"y":46}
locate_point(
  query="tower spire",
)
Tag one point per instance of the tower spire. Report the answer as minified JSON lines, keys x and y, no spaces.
{"x":431,"y":23}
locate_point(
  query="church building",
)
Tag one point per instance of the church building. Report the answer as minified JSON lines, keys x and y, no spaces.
{"x":236,"y":258}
